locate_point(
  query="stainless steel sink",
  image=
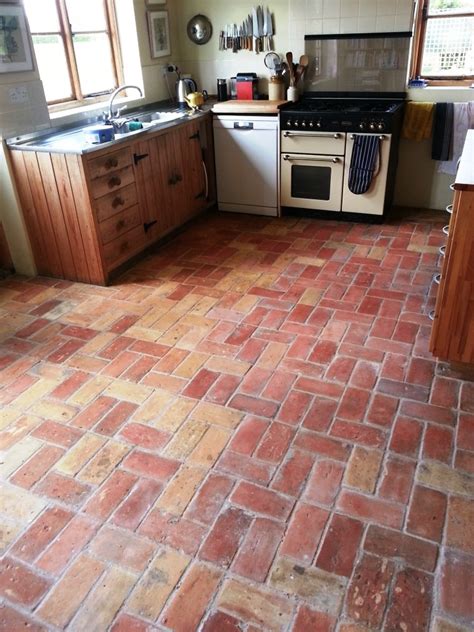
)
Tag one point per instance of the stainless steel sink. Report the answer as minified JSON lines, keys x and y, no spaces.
{"x":149,"y":119}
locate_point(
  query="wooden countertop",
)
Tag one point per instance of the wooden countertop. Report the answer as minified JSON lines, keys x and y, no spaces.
{"x":239,"y":106}
{"x":465,"y":175}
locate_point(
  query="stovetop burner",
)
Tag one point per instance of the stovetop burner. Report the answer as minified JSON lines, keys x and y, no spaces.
{"x":341,"y":114}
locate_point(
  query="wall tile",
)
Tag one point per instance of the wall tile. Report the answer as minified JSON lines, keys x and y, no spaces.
{"x":331,"y":8}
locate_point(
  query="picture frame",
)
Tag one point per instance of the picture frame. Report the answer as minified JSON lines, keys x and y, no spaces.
{"x":15,"y":49}
{"x":153,"y":2}
{"x":159,"y":32}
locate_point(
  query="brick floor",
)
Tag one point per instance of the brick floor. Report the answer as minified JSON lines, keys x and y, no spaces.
{"x":245,"y":432}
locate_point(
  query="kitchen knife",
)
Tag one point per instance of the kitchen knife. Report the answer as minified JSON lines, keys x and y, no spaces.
{"x":265,"y":30}
{"x":250,"y":32}
{"x":260,"y":26}
{"x":270,"y":29}
{"x":255,"y":29}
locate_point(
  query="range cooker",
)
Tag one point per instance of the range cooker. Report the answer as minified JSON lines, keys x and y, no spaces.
{"x":318,"y":140}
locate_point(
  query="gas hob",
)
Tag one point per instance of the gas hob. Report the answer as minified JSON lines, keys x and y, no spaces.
{"x":341,"y":115}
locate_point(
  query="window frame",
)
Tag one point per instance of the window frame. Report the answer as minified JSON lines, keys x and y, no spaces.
{"x":66,"y":33}
{"x":420,"y":24}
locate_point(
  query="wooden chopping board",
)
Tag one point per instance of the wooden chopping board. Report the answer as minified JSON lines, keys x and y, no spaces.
{"x":239,"y":106}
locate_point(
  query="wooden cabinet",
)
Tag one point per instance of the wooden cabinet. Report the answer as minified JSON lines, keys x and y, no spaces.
{"x":452,"y":336}
{"x":88,"y":214}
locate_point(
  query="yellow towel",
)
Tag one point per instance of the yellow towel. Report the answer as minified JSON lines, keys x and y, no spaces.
{"x":418,"y":121}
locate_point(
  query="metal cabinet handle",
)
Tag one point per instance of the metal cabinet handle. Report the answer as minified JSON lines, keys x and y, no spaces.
{"x":206,"y":180}
{"x":437,"y":278}
{"x":111,"y":163}
{"x":442,"y":251}
{"x":115,"y":182}
{"x":314,"y":134}
{"x":449,"y":209}
{"x":117,"y":201}
{"x":311,"y":159}
{"x":381,"y":137}
{"x":446,"y":229}
{"x":241,"y":126}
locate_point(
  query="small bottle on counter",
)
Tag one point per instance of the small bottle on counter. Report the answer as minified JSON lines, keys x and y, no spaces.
{"x":276,"y":88}
{"x":222,"y":90}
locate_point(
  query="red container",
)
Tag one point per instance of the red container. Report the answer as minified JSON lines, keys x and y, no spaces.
{"x":247,"y":86}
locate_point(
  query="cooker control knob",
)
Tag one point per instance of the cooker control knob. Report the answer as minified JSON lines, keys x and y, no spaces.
{"x":296,"y":123}
{"x":362,"y":125}
{"x":311,"y":124}
{"x":381,"y":126}
{"x":318,"y":124}
{"x":303,"y":124}
{"x":372,"y":126}
{"x":289,"y":123}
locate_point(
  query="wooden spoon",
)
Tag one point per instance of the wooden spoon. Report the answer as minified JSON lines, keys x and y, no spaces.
{"x":289,"y":59}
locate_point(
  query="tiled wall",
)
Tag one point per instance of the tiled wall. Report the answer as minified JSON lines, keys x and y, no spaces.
{"x":346,"y":16}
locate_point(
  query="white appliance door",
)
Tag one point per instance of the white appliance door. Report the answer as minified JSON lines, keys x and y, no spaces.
{"x":371,"y":202}
{"x":308,"y":142}
{"x":246,"y":150}
{"x":312,"y":181}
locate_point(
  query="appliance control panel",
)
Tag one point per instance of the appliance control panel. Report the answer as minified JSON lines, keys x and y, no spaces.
{"x":326,"y":124}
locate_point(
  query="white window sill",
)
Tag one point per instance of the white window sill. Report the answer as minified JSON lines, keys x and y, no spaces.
{"x":72,"y":115}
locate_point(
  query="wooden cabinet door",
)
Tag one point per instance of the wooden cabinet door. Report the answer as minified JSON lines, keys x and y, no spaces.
{"x":194,"y":168}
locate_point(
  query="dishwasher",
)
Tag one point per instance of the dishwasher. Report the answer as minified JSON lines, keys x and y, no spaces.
{"x":246,"y":150}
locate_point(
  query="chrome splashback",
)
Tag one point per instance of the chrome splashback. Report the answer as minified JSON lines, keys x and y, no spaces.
{"x":370,"y":62}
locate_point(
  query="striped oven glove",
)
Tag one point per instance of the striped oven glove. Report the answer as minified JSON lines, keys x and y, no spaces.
{"x":364,"y":159}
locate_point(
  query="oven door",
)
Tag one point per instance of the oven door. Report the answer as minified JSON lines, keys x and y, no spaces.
{"x":312,"y":181}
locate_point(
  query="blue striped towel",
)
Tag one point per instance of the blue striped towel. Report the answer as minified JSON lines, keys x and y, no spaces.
{"x":365,"y":153}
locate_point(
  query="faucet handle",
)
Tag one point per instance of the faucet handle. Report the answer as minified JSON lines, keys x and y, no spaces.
{"x":120,"y":110}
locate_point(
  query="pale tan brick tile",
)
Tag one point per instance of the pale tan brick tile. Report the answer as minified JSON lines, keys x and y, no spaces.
{"x":50,"y":409}
{"x":102,"y":604}
{"x":8,"y":415}
{"x":17,"y":455}
{"x":151,"y":593}
{"x":246,"y":304}
{"x":154,"y":407}
{"x":180,"y":491}
{"x":363,"y":469}
{"x":140,"y":333}
{"x":271,"y":355}
{"x":227,"y":365}
{"x":9,"y":530}
{"x":311,"y":296}
{"x":103,"y":463}
{"x":99,"y":342}
{"x":217,"y":415}
{"x":79,"y":454}
{"x":185,"y":439}
{"x":444,"y":478}
{"x":172,"y":418}
{"x":191,"y":365}
{"x":34,"y":394}
{"x":20,"y":504}
{"x":207,"y":451}
{"x":90,"y":390}
{"x":130,"y":392}
{"x":21,"y":426}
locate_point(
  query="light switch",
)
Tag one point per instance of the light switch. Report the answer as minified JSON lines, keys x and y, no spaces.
{"x":18,"y":94}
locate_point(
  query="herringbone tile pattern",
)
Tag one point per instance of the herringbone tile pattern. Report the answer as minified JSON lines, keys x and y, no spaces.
{"x":245,"y":432}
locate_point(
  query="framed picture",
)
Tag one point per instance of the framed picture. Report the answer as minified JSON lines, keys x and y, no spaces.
{"x":15,"y":51}
{"x":158,"y":27}
{"x":151,"y":2}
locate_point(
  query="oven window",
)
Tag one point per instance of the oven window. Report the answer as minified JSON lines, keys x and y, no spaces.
{"x":311,"y":183}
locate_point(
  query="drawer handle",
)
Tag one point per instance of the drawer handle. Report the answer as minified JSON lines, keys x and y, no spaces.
{"x":437,"y":278}
{"x":179,"y":178}
{"x":120,"y":224}
{"x":115,"y":182}
{"x":111,"y":163}
{"x":446,"y":229}
{"x":449,"y":209}
{"x":124,"y":246}
{"x":442,"y":251}
{"x":431,"y":315}
{"x":118,"y":201}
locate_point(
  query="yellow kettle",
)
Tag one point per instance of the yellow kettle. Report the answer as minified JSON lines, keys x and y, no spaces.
{"x":196,"y":99}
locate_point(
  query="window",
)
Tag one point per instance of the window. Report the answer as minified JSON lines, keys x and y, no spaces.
{"x":444,"y":41}
{"x":76,"y":48}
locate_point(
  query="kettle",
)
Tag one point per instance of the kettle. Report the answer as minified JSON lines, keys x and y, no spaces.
{"x":183,"y":88}
{"x":196,"y":99}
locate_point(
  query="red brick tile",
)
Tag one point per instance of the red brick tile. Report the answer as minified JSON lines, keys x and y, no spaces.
{"x":319,"y":443}
{"x":122,"y":547}
{"x":403,"y":390}
{"x":457,"y":586}
{"x":59,"y":487}
{"x":200,"y":384}
{"x":353,"y":404}
{"x":70,"y":385}
{"x":465,"y":439}
{"x":149,"y":348}
{"x":358,"y":433}
{"x":110,"y":494}
{"x":340,"y":369}
{"x":308,"y":619}
{"x":191,"y":599}
{"x":246,"y":467}
{"x":240,"y":335}
{"x":147,"y":464}
{"x":144,"y":436}
{"x":115,"y":418}
{"x":320,"y":414}
{"x":414,"y":551}
{"x":255,"y":556}
{"x":437,"y":443}
{"x":210,"y":498}
{"x":123,"y":323}
{"x":139,"y":369}
{"x":293,"y":473}
{"x":304,"y":532}
{"x":368,"y":591}
{"x":382,"y":410}
{"x":294,"y":407}
{"x":445,"y":392}
{"x":427,"y":513}
{"x":65,"y":351}
{"x":94,"y":412}
{"x":278,"y":386}
{"x":324,"y":483}
{"x":254,"y":405}
{"x":32,"y":328}
{"x":225,"y":537}
{"x":41,"y":533}
{"x":116,"y":347}
{"x":181,"y":533}
{"x":83,"y":333}
{"x":420,"y":371}
{"x":428,"y":412}
{"x":20,"y":584}
{"x":262,"y":501}
{"x":54,"y":432}
{"x":323,"y":352}
{"x":371,"y":509}
{"x":128,"y":623}
{"x":251,"y":350}
{"x":36,"y":467}
{"x":365,"y":374}
{"x":412,"y":597}
{"x":464,"y":461}
{"x":467,"y":397}
{"x":223,"y":388}
{"x":254,"y":381}
{"x":221,"y":622}
{"x":11,"y":620}
{"x":406,"y":437}
{"x":340,"y":545}
{"x":131,"y":511}
{"x":248,"y":435}
{"x":460,"y":521}
{"x":397,"y":479}
{"x":319,"y":387}
{"x":70,"y":541}
{"x":274,"y":444}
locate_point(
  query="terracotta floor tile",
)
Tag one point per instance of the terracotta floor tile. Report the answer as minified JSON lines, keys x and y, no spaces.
{"x":249,"y":413}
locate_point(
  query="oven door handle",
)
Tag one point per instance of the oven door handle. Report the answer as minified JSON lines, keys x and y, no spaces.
{"x":334,"y":159}
{"x":311,"y":135}
{"x":381,"y":137}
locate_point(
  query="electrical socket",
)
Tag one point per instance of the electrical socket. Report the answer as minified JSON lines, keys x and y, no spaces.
{"x":18,"y":94}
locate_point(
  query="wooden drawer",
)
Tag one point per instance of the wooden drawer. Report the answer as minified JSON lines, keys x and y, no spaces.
{"x":115,"y":202}
{"x":106,"y":184}
{"x":110,"y":162}
{"x":124,"y":247}
{"x":119,"y":224}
